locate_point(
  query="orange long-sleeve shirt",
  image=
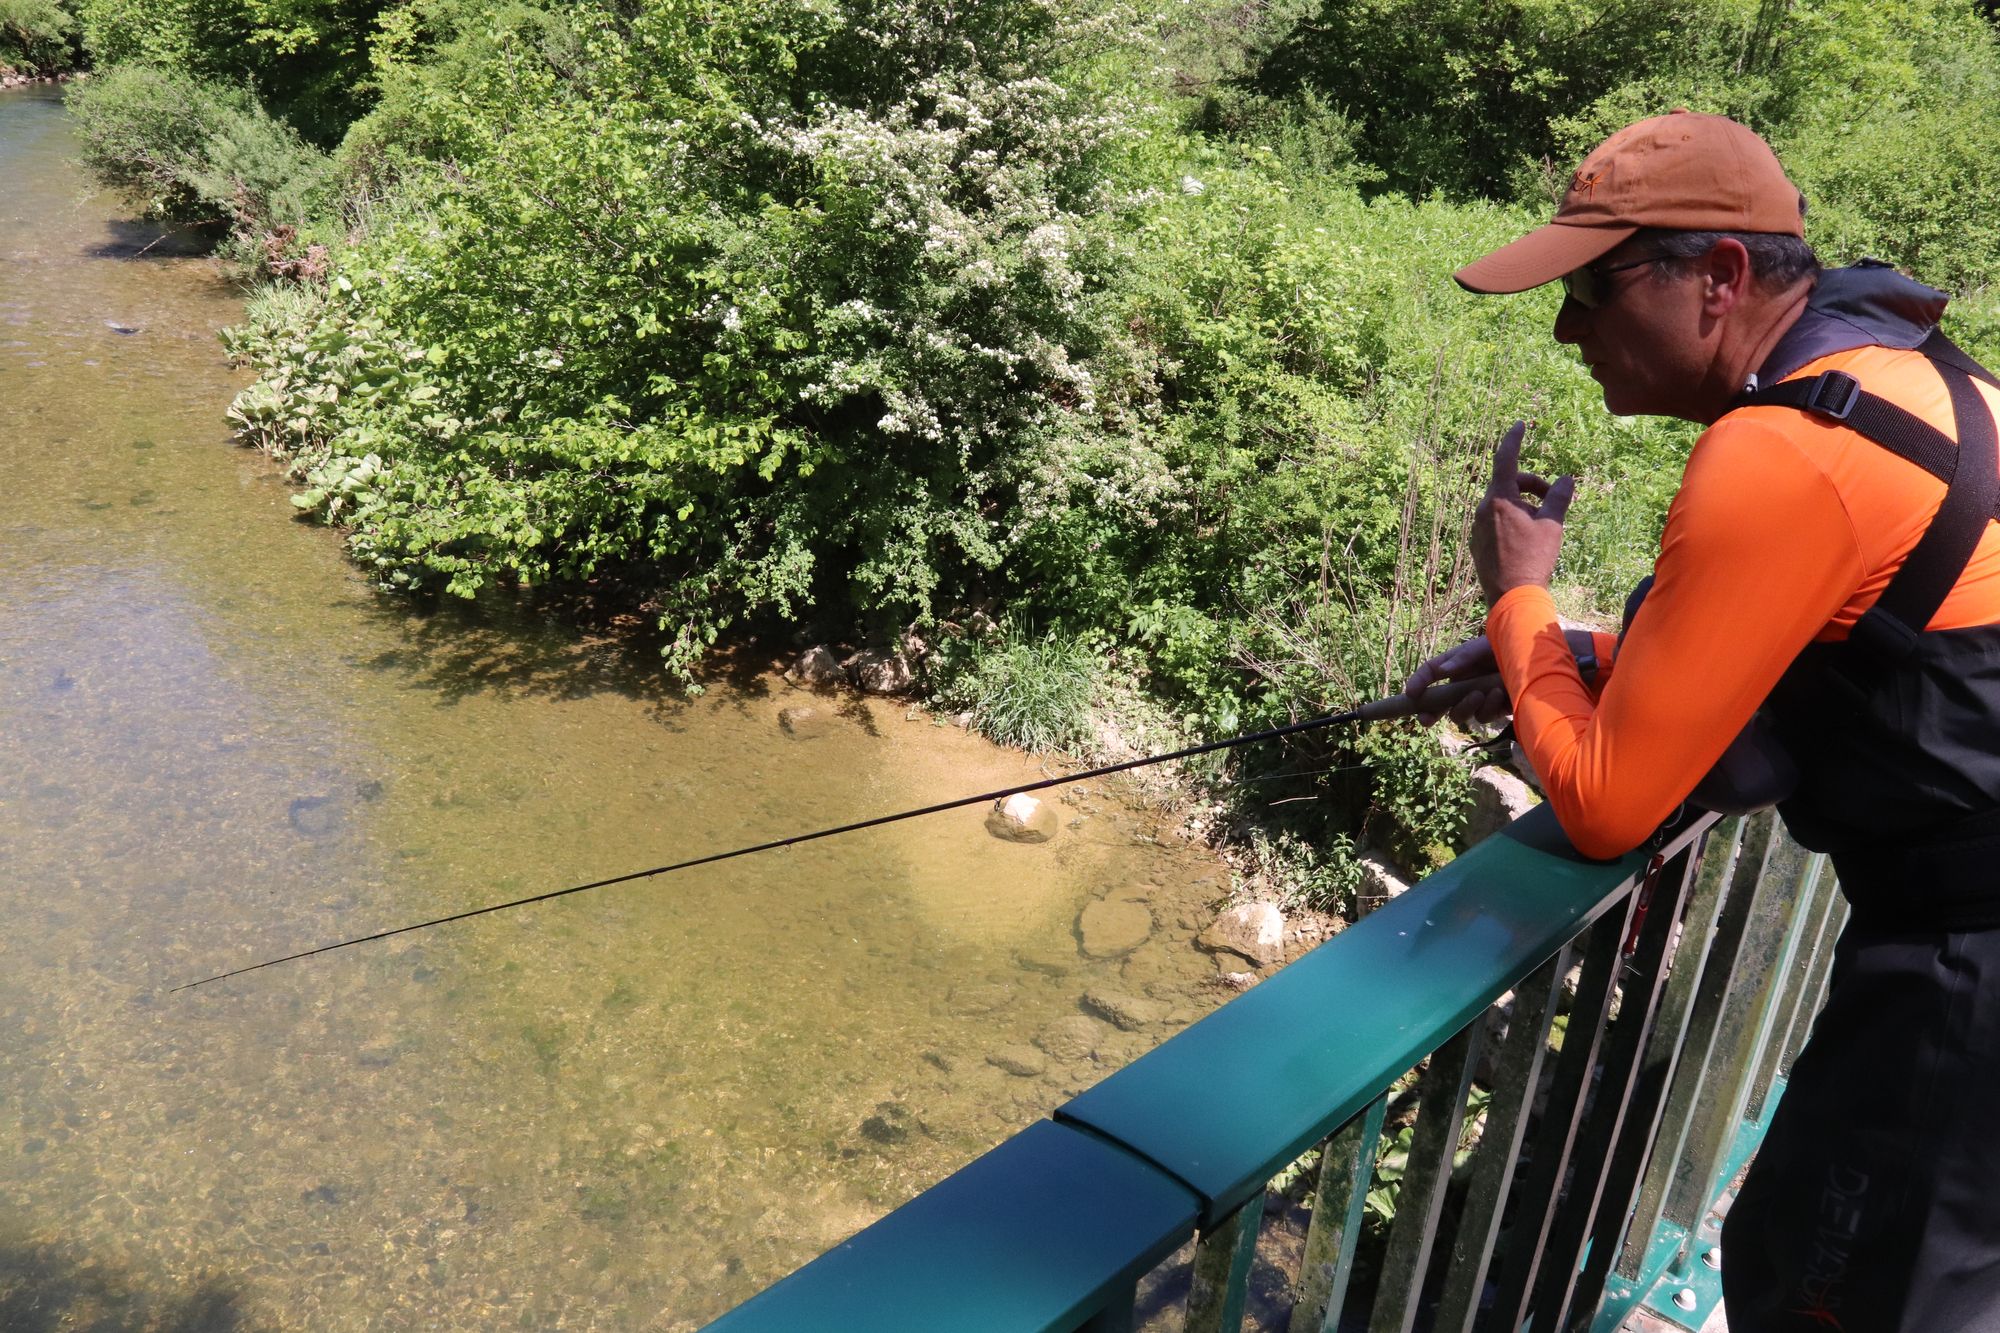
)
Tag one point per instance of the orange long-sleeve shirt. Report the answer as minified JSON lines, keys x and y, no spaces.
{"x":1787,"y":527}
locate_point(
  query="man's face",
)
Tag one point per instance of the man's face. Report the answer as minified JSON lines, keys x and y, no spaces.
{"x":1644,"y":341}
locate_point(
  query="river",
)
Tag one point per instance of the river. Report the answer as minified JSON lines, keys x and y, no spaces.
{"x":628,"y":1109}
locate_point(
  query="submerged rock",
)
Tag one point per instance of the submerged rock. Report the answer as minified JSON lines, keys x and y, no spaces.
{"x":1021,"y":818}
{"x":1020,"y":1061}
{"x":1129,"y":1012}
{"x":1072,"y":1038}
{"x":1114,"y":927}
{"x":800,"y":722}
{"x":314,"y":816}
{"x":892,"y":1122}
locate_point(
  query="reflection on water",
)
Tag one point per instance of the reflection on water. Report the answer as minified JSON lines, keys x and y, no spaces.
{"x":625,"y":1109}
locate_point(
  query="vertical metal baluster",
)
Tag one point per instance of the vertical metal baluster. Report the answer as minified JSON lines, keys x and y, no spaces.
{"x":1791,"y":1012}
{"x":1516,"y":1074}
{"x":1732,"y":865}
{"x":1440,"y":1121}
{"x":1346,"y":1169}
{"x":1740,"y":1034}
{"x":1631,"y":1092}
{"x":1541,"y":1190}
{"x":1222,"y":1257}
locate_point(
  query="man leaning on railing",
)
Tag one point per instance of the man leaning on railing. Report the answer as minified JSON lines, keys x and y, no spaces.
{"x":1822,"y":629}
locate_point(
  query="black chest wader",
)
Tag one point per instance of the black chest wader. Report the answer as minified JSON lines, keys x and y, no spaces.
{"x":1896,"y":729}
{"x":1873,"y":1203}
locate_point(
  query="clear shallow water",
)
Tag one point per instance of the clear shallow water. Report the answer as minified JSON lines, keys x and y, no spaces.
{"x":627,"y":1109}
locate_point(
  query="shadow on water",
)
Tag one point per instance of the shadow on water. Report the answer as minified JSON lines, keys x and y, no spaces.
{"x":44,"y":1288}
{"x":136,"y":238}
{"x":559,"y":647}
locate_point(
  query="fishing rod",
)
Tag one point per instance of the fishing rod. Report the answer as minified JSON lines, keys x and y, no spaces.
{"x":1438,"y":698}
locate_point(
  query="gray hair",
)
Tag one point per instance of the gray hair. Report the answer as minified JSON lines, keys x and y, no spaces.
{"x":1777,"y":260}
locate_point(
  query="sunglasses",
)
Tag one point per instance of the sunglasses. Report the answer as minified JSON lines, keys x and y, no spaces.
{"x":1590,"y":286}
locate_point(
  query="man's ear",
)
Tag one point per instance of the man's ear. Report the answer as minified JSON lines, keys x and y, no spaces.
{"x":1726,"y":277}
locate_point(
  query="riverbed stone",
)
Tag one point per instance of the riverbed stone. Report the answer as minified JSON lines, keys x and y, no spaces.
{"x":1129,"y":1013}
{"x":818,"y":669}
{"x":1073,"y":1037}
{"x":1381,"y":881}
{"x":1112,"y":928}
{"x":801,"y":721}
{"x":1053,"y":960}
{"x":1021,"y":818}
{"x":982,"y":997}
{"x":1255,"y":931}
{"x":1119,"y":1049}
{"x":1020,"y":1061}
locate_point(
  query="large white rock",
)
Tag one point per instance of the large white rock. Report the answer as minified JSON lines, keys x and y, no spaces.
{"x":1255,"y":931}
{"x":1113,"y":927}
{"x":1381,"y":880}
{"x":881,"y":673}
{"x":1021,"y":818}
{"x":1498,"y":799}
{"x":818,"y":668}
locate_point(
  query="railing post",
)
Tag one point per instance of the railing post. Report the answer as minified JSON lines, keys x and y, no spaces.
{"x":1776,"y":867}
{"x":1346,"y":1168}
{"x":1222,"y":1257}
{"x":1619,"y":1085}
{"x":1516,"y":1075}
{"x":1791,"y":1014}
{"x":1654,"y":1040}
{"x":1419,"y":1203}
{"x":1724,"y":892}
{"x":1541,"y":1190}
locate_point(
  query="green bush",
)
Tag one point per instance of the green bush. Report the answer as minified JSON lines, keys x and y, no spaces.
{"x":197,"y":153}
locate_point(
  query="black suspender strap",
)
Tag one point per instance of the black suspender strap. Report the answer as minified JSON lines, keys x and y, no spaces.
{"x":1927,"y":574}
{"x":1942,"y":349}
{"x":1970,"y":469}
{"x":1839,"y":396}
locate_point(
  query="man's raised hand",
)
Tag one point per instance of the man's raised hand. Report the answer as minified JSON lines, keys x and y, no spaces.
{"x":1517,"y":529}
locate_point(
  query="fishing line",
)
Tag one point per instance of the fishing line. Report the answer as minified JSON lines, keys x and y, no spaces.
{"x":1437,"y":699}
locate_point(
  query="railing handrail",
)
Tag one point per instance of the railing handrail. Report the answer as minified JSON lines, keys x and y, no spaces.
{"x":1027,"y":1236}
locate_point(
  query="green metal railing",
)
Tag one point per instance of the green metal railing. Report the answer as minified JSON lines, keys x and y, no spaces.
{"x":1624,"y":1021}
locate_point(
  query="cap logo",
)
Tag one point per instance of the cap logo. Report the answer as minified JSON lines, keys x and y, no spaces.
{"x":1588,"y":184}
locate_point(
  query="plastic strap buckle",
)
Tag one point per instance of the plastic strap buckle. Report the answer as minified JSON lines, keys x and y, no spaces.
{"x":1833,"y":394}
{"x":1884,"y":634}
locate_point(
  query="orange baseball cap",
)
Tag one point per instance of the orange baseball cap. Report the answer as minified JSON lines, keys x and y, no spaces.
{"x":1685,"y":171}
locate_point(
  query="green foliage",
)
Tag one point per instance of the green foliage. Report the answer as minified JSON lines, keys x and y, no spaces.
{"x":308,"y":58}
{"x":1392,"y":1158}
{"x":1423,"y":792}
{"x":1451,"y":95}
{"x":191,"y":151}
{"x":37,"y":36}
